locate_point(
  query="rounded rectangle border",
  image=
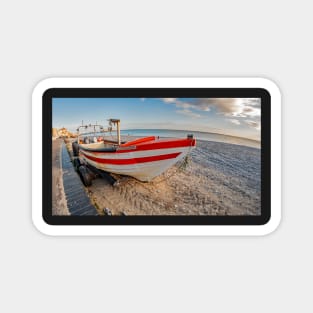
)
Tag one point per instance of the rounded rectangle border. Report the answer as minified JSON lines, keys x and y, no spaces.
{"x":155,"y":230}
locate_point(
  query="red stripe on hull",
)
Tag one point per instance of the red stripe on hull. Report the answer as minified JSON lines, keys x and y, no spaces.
{"x":133,"y":160}
{"x":155,"y":145}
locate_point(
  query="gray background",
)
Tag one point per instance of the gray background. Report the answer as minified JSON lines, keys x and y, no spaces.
{"x":41,"y":39}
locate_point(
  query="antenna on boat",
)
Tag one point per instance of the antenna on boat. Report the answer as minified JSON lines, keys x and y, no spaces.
{"x":118,"y":132}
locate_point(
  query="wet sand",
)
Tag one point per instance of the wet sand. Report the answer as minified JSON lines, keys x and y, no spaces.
{"x":219,"y":179}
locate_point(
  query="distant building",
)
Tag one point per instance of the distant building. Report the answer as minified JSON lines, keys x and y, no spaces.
{"x":55,"y":133}
{"x":62,"y":132}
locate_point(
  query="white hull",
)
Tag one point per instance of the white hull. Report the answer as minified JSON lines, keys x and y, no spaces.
{"x":144,"y":170}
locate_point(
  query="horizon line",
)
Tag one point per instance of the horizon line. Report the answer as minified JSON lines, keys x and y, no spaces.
{"x":188,"y":130}
{"x":199,"y":131}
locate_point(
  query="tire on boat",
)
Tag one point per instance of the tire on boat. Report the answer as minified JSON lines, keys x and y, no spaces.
{"x":75,"y":148}
{"x":77,"y":163}
{"x":85,"y":175}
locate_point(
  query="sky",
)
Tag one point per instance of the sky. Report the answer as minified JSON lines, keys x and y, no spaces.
{"x":231,"y":116}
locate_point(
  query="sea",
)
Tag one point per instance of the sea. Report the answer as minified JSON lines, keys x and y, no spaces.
{"x":197,"y":134}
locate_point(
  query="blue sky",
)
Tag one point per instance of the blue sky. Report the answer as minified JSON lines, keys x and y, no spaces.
{"x":231,"y":116}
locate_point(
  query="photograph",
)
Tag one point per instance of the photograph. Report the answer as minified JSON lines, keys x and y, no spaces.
{"x":156,"y":156}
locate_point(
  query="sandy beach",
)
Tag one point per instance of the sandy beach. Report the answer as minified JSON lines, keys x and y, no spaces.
{"x":219,"y":179}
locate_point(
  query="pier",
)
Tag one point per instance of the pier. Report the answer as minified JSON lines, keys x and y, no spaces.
{"x":78,"y":202}
{"x":69,"y":196}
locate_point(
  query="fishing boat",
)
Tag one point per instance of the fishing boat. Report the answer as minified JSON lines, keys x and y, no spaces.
{"x":143,"y":158}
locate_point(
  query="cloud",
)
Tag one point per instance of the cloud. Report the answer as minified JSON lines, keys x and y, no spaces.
{"x":189,"y":113}
{"x":253,"y":101}
{"x":254,"y":124}
{"x":231,"y":107}
{"x":169,"y":100}
{"x":236,"y":122}
{"x":235,"y":107}
{"x":185,"y":106}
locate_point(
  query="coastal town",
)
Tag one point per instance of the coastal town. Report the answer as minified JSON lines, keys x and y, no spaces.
{"x":62,"y":133}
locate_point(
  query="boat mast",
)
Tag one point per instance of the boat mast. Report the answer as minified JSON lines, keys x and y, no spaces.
{"x":118,"y":131}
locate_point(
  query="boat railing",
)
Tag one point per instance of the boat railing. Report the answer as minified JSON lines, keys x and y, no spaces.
{"x":91,"y":130}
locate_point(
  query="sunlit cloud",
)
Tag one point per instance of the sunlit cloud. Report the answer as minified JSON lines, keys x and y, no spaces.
{"x":236,"y":107}
{"x":254,"y":124}
{"x":236,"y":122}
{"x":188,"y":113}
{"x":231,"y":107}
{"x":169,"y":100}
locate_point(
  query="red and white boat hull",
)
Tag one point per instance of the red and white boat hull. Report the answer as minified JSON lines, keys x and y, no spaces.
{"x":143,"y":161}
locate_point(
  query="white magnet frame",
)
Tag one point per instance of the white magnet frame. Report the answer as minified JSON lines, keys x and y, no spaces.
{"x":156,"y":230}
